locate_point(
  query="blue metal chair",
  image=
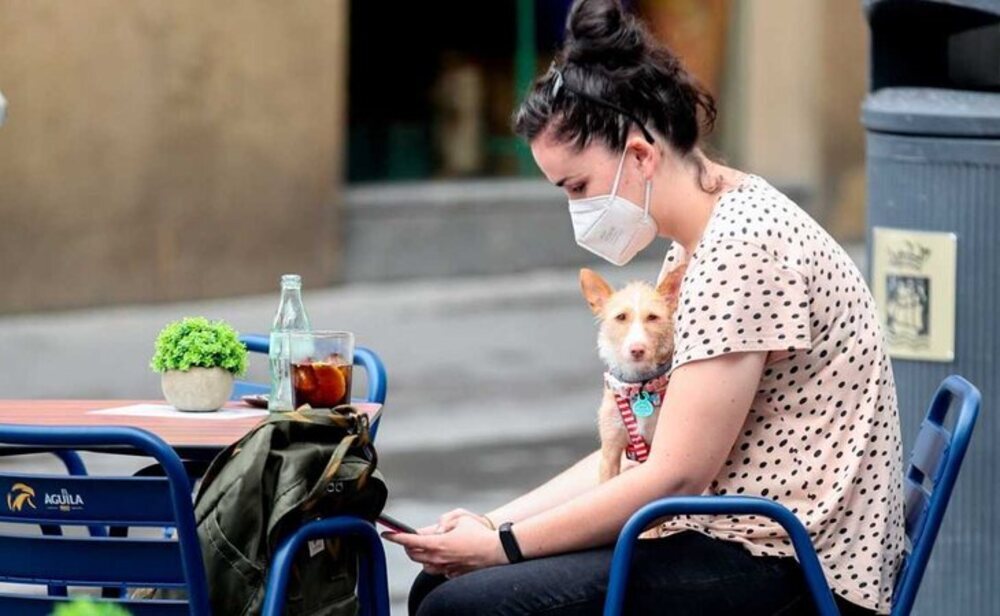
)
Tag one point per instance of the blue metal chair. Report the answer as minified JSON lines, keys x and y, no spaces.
{"x":74,"y":466}
{"x":55,"y":500}
{"x":935,"y":459}
{"x":373,"y":588}
{"x":363,"y":357}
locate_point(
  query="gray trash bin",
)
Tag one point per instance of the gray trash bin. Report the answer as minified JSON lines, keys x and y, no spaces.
{"x":933,"y":122}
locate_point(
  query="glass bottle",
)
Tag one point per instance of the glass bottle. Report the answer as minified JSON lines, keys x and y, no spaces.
{"x":291,"y":317}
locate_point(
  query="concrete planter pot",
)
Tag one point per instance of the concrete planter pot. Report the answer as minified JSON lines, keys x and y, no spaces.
{"x":197,"y":389}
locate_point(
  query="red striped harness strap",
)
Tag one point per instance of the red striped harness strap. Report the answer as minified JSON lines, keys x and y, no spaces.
{"x":628,"y":395}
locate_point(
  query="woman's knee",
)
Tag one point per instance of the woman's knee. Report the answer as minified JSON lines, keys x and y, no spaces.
{"x":422,"y":585}
{"x":434,"y":595}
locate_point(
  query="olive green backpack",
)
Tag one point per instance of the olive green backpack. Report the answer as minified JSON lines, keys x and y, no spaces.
{"x":290,"y":469}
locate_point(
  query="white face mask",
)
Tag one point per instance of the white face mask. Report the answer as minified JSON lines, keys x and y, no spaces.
{"x":613,"y":227}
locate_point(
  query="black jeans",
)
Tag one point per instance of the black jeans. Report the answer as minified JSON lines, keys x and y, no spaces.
{"x":685,"y":573}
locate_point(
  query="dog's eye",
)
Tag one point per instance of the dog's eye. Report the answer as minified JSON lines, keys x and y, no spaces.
{"x":621,"y":317}
{"x":652,"y":317}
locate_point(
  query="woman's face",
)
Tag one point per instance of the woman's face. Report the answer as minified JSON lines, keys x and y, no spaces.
{"x":589,"y":172}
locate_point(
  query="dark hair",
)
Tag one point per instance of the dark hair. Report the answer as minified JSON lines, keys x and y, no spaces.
{"x":610,"y":63}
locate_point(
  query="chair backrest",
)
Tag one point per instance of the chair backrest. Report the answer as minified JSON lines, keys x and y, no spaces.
{"x":930,"y":478}
{"x":89,"y":501}
{"x":364,"y":358}
{"x":373,"y":588}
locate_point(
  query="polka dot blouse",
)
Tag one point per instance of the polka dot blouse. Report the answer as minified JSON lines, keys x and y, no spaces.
{"x":822,"y":436}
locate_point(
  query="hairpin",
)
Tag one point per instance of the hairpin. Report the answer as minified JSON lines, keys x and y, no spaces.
{"x":558,"y":83}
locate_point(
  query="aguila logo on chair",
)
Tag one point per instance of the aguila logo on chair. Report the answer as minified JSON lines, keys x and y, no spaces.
{"x":22,"y":494}
{"x":19,"y":495}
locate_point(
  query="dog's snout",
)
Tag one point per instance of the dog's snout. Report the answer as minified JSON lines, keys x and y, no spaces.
{"x":637,"y":352}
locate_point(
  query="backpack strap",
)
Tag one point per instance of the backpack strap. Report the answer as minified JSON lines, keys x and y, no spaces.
{"x":320,"y":487}
{"x":345,"y":417}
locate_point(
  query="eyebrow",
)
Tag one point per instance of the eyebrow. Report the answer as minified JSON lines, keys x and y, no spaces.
{"x":560,"y":183}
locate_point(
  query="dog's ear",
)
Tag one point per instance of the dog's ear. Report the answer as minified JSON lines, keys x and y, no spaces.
{"x":596,"y":290}
{"x":670,"y":286}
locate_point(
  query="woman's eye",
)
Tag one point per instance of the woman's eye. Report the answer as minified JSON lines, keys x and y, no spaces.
{"x":653,"y":317}
{"x":621,"y":317}
{"x":578,"y":189}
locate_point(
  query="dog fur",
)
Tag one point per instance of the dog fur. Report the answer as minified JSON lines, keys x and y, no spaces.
{"x":635,"y":341}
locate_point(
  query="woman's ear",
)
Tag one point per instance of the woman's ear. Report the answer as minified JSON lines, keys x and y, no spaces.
{"x":647,"y":154}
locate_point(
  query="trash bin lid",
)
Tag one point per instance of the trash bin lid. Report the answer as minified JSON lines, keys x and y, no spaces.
{"x":986,"y":6}
{"x":932,"y":111}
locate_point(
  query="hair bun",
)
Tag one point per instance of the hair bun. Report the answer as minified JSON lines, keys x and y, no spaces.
{"x":600,"y":32}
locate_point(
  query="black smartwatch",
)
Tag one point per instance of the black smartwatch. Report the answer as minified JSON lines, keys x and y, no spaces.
{"x":509,"y":543}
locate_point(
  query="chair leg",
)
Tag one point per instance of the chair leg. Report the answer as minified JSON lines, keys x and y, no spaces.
{"x":365,"y":571}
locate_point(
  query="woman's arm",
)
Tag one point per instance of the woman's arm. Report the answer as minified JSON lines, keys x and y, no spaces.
{"x":573,"y":481}
{"x":568,"y":484}
{"x":705,"y":407}
{"x":706,"y":404}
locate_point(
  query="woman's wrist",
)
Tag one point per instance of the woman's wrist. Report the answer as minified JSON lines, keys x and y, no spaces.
{"x":511,"y":548}
{"x":489,"y":521}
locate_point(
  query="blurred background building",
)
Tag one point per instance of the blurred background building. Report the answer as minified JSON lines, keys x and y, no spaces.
{"x":168,"y":151}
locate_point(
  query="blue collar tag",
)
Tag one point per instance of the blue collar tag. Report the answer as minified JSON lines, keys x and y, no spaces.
{"x":642,"y":405}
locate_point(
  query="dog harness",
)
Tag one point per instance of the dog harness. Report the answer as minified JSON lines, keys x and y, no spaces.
{"x":640,"y":399}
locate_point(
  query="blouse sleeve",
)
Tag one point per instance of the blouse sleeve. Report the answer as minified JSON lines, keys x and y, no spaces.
{"x":737,"y":297}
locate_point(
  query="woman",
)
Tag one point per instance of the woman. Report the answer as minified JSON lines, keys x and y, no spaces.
{"x":779,"y":384}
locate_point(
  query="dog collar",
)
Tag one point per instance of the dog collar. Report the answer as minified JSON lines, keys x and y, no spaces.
{"x":631,"y":389}
{"x":660,"y":370}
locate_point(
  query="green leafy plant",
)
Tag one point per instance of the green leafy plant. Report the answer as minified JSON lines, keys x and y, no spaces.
{"x":196,"y":342}
{"x":86,"y":607}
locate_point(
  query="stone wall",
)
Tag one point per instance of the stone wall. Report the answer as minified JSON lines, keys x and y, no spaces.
{"x":165,"y":150}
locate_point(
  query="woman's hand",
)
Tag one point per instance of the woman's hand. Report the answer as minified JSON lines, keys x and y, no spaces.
{"x":468,"y":546}
{"x":449,"y":520}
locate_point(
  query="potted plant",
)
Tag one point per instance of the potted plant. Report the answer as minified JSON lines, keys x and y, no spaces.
{"x":86,"y":607}
{"x":198,"y":360}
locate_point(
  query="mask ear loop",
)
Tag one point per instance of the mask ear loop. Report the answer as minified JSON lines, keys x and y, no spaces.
{"x":618,"y":177}
{"x":649,"y":192}
{"x":618,"y":174}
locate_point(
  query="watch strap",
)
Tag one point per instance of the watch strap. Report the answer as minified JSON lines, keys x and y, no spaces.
{"x":509,"y":543}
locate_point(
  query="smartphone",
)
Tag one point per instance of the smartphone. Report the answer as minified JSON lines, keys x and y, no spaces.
{"x":255,"y":400}
{"x":393,"y":524}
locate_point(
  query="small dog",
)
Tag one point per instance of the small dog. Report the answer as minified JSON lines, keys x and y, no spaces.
{"x":636,"y":343}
